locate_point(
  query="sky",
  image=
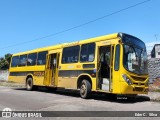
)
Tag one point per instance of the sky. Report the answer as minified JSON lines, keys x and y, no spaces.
{"x":28,"y":20}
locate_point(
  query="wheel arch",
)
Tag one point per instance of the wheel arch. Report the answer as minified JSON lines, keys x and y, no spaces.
{"x":29,"y":76}
{"x":82,"y":77}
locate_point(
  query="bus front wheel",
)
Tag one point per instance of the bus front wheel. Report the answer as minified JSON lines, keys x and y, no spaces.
{"x":85,"y":89}
{"x":29,"y":84}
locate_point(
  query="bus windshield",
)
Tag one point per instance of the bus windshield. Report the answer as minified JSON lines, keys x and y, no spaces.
{"x":135,"y":56}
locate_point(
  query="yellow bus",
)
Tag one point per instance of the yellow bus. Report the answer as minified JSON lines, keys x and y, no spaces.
{"x":114,"y":63}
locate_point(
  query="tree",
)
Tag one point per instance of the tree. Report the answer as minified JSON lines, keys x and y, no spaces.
{"x":5,"y":61}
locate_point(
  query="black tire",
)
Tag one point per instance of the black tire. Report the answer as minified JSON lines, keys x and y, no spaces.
{"x":29,"y":84}
{"x":85,"y":89}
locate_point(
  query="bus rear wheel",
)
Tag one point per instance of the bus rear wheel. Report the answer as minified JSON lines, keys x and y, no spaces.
{"x":29,"y":84}
{"x":85,"y":89}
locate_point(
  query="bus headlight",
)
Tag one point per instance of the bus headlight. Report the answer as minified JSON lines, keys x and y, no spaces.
{"x":126,"y":79}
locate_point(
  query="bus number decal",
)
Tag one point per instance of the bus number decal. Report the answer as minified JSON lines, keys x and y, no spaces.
{"x":39,"y":74}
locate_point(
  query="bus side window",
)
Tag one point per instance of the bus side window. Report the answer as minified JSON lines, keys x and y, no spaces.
{"x":15,"y":61}
{"x":42,"y":58}
{"x":22,"y":60}
{"x":70,"y":54}
{"x":32,"y":59}
{"x":87,"y":52}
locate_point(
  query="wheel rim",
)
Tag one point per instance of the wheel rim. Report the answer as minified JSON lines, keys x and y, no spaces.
{"x":83,"y":89}
{"x":29,"y":84}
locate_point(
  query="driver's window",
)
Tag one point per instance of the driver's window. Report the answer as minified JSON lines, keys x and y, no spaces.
{"x":131,"y":56}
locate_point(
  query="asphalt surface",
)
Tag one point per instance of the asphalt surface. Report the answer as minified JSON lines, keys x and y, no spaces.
{"x":19,"y":99}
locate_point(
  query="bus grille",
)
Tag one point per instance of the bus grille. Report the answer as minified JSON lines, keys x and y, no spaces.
{"x":138,"y":78}
{"x":138,"y":89}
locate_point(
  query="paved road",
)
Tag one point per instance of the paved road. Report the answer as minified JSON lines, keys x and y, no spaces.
{"x":43,"y":100}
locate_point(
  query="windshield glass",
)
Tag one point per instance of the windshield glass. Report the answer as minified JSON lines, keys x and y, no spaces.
{"x":135,"y":59}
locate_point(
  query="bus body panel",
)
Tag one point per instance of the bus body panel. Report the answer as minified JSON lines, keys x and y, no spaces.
{"x":19,"y":74}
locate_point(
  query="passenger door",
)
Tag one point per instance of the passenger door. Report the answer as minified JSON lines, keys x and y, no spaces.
{"x":105,"y":66}
{"x":51,"y":69}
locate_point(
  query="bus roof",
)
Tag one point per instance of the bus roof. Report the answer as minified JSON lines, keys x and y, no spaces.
{"x":100,"y":38}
